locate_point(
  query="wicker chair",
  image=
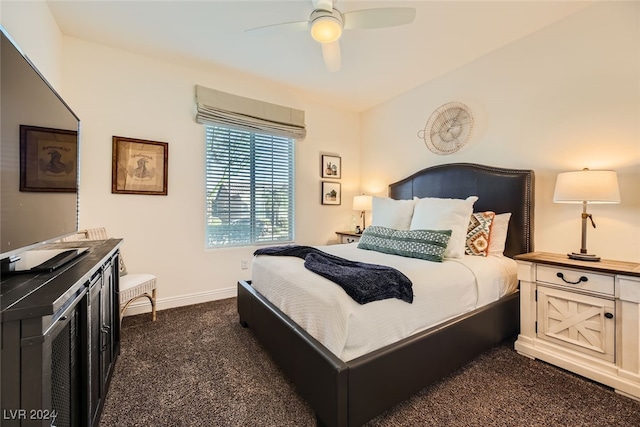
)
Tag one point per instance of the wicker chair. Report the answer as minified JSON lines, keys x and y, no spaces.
{"x":132,"y":286}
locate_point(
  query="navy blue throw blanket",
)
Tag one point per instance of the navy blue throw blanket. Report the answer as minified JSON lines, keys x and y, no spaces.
{"x":361,"y":281}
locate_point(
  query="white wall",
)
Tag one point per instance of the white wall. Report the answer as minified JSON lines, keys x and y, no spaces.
{"x":564,"y":98}
{"x":32,"y":27}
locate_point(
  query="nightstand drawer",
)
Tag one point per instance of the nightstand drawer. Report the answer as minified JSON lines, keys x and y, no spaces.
{"x":349,"y":239}
{"x":576,"y":279}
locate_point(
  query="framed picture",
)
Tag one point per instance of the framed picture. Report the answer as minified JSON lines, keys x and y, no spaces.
{"x":331,"y":194}
{"x":331,"y":167}
{"x":48,"y":159}
{"x":139,"y":166}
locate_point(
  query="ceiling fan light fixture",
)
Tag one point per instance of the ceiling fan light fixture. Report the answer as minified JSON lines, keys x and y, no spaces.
{"x":326,"y":27}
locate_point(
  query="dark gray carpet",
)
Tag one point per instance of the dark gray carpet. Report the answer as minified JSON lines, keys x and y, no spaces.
{"x":196,"y":366}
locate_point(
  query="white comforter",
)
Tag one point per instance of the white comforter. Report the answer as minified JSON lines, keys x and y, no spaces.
{"x":348,"y":329}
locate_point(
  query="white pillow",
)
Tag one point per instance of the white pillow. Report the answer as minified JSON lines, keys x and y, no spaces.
{"x":498,"y":236}
{"x":392,"y":213}
{"x":433,"y":213}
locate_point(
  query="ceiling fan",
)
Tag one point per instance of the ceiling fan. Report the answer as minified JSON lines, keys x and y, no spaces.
{"x":326,"y":24}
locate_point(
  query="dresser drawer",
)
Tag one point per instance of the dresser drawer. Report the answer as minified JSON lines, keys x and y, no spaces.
{"x":576,"y":279}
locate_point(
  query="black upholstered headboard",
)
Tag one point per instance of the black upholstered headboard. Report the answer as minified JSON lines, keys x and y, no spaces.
{"x":499,"y":190}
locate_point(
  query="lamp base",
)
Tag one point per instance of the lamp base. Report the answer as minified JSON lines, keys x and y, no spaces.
{"x":583,"y":257}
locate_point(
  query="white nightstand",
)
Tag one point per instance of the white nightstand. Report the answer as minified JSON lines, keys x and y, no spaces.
{"x":348,"y":236}
{"x":582,"y":316}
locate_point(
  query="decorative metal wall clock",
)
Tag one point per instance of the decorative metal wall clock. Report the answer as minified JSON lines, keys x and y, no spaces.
{"x":448,"y":128}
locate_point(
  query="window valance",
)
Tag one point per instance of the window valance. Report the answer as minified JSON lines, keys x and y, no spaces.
{"x":220,"y":108}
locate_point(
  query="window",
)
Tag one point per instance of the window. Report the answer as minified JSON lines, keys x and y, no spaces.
{"x":250,"y":188}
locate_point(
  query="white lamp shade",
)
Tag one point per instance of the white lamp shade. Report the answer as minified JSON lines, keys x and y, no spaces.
{"x":362,"y":203}
{"x":587,"y":186}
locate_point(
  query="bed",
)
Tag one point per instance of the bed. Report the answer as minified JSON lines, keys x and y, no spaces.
{"x":351,"y":392}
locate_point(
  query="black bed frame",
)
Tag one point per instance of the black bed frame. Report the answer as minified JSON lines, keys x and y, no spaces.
{"x":351,"y":393}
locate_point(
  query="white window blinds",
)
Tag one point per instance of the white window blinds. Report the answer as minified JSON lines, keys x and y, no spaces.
{"x":250,"y":187}
{"x":215,"y":107}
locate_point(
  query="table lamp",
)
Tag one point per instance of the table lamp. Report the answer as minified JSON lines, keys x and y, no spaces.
{"x":586,"y":186}
{"x":362,"y":203}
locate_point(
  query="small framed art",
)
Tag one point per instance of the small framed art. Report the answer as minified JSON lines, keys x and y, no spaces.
{"x":331,"y":193}
{"x":139,"y":166}
{"x":48,"y":159}
{"x":331,"y":167}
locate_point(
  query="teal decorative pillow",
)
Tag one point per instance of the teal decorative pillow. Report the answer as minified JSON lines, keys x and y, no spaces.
{"x":478,"y":233}
{"x":424,"y":244}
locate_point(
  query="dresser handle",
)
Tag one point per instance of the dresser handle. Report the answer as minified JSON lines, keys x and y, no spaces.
{"x":608,"y":315}
{"x":581,"y":279}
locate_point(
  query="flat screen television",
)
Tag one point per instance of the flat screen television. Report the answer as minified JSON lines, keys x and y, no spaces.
{"x":39,"y":157}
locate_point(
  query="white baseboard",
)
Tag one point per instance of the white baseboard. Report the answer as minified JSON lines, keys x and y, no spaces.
{"x":142,"y":305}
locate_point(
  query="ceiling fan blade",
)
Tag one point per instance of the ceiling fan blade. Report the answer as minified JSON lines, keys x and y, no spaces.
{"x":331,"y":54}
{"x":378,"y":18}
{"x":323,"y":4}
{"x":282,"y":28}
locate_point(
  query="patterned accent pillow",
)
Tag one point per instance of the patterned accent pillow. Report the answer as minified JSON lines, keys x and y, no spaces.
{"x":424,"y":244}
{"x":122,"y":267}
{"x":478,"y":233}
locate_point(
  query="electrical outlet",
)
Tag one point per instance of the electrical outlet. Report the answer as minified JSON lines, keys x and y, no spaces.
{"x":244,"y":264}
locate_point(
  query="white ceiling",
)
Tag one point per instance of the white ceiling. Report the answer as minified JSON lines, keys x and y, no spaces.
{"x":376,"y":64}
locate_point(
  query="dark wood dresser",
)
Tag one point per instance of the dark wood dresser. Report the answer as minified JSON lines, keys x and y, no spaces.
{"x":60,"y":339}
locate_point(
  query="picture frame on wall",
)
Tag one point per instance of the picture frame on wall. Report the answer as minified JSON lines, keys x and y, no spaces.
{"x":331,"y":167}
{"x":48,"y":159}
{"x":139,"y":166}
{"x":331,"y":193}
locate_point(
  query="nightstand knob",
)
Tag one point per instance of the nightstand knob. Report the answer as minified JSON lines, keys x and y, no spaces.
{"x":581,"y":279}
{"x":608,"y":315}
